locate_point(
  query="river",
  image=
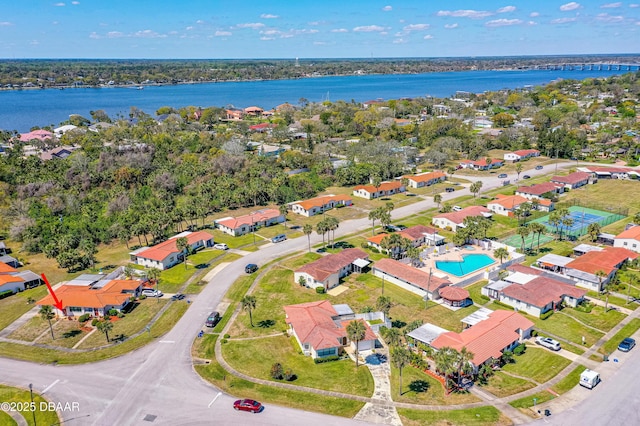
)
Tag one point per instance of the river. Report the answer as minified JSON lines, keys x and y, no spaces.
{"x":23,"y":109}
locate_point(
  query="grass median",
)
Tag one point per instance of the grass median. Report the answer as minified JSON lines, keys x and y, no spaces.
{"x":21,"y":398}
{"x":481,"y":416}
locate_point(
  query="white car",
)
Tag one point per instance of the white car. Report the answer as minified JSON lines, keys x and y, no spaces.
{"x":548,"y":343}
{"x":149,"y":292}
{"x":221,"y":246}
{"x":456,"y":208}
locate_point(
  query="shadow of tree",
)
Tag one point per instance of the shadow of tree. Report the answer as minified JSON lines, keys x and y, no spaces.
{"x":266,"y":323}
{"x":419,"y":386}
{"x":71,"y":333}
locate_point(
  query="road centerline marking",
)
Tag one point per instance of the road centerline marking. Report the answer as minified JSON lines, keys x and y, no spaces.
{"x":214,"y":399}
{"x":50,"y":386}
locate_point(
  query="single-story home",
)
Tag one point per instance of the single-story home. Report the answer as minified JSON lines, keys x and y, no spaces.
{"x":454,"y":220}
{"x":456,"y":297}
{"x":604,"y":172}
{"x":385,"y":189}
{"x":95,"y":299}
{"x":327,"y":271}
{"x":14,"y":280}
{"x":320,"y":328}
{"x":540,"y":190}
{"x":425,"y":179}
{"x":482,"y":164}
{"x":320,"y":204}
{"x":166,"y":254}
{"x":521,"y":154}
{"x":573,"y":180}
{"x":415,"y":280}
{"x":629,"y":239}
{"x":241,"y":225}
{"x":39,"y":134}
{"x":506,"y":205}
{"x":418,"y":235}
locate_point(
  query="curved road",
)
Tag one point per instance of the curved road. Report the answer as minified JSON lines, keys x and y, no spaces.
{"x":157,"y":384}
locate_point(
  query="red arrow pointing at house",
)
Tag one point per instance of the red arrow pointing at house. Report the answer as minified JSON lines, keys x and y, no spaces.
{"x":57,"y":303}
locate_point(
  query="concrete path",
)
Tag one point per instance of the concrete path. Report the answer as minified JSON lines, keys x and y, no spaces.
{"x":514,"y":414}
{"x":19,"y":418}
{"x":84,"y":338}
{"x":19,"y":322}
{"x":378,"y":364}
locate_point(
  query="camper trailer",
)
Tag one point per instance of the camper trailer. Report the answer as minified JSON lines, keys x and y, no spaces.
{"x":589,"y":379}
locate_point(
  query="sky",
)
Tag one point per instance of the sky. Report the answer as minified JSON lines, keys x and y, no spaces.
{"x":213,"y":29}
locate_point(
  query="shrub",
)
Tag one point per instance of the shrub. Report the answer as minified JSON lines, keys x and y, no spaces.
{"x":142,"y":296}
{"x":223,"y":341}
{"x":374,"y":250}
{"x":6,"y":293}
{"x":83,"y":318}
{"x":277,"y":372}
{"x":95,"y":321}
{"x":120,"y":315}
{"x":534,"y":333}
{"x":289,"y":375}
{"x":546,"y":315}
{"x":364,"y":245}
{"x":519,"y":350}
{"x":113,"y":312}
{"x":326,"y":359}
{"x":320,"y":290}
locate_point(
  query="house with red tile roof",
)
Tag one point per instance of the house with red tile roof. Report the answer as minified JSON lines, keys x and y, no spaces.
{"x":409,"y":278}
{"x":505,"y":205}
{"x":425,"y":179}
{"x":327,"y":271}
{"x":166,"y":254}
{"x":385,"y":189}
{"x":320,"y":329}
{"x":629,"y":239}
{"x":540,"y":190}
{"x":604,"y":172}
{"x":235,"y":114}
{"x":532,"y":291}
{"x":241,"y":225}
{"x":572,"y":180}
{"x":453,"y":220}
{"x":418,"y":235}
{"x":320,"y":204}
{"x":481,"y":164}
{"x":583,"y":269}
{"x":39,"y":134}
{"x":15,"y":280}
{"x":96,"y":299}
{"x":521,"y":154}
{"x":456,"y":297}
{"x":253,"y":110}
{"x":488,"y":339}
{"x":262,"y":127}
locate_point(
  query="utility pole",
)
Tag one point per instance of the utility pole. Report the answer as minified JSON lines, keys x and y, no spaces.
{"x":33,"y":410}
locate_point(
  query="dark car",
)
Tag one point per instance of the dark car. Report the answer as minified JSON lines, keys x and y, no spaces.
{"x":627,"y":344}
{"x":177,"y":296}
{"x":502,"y":175}
{"x":449,"y":189}
{"x":212,"y":319}
{"x":526,"y":177}
{"x":247,"y":405}
{"x":538,"y":167}
{"x":251,"y":268}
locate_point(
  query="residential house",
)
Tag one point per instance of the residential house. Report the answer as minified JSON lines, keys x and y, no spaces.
{"x":385,"y":189}
{"x":266,"y":150}
{"x":417,"y":281}
{"x":454,"y":220}
{"x":96,"y":299}
{"x":506,"y":205}
{"x":320,"y":204}
{"x":540,"y":190}
{"x":166,"y":254}
{"x":376,"y":102}
{"x":241,"y":225}
{"x":425,"y":179}
{"x":573,"y":180}
{"x":488,"y":339}
{"x":327,"y":271}
{"x":629,"y":239}
{"x":58,"y":153}
{"x":10,"y":260}
{"x":262,"y":127}
{"x":235,"y":114}
{"x":254,"y":111}
{"x":481,"y":164}
{"x":521,"y":154}
{"x":320,"y":328}
{"x":14,"y":280}
{"x":41,"y":135}
{"x":530,"y":290}
{"x":604,"y":172}
{"x":59,"y":131}
{"x":418,"y":235}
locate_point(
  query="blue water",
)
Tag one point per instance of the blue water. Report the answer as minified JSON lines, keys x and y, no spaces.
{"x":22,"y":109}
{"x":470,"y":263}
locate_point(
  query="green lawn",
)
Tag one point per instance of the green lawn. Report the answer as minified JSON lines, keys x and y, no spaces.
{"x":475,"y":293}
{"x":538,"y":364}
{"x":570,"y":381}
{"x":502,"y":385}
{"x":204,"y":256}
{"x":6,"y":419}
{"x":481,"y":416}
{"x":10,"y":394}
{"x":231,"y":241}
{"x":563,"y":386}
{"x":626,"y":331}
{"x":597,"y":317}
{"x":13,"y":307}
{"x":613,"y":300}
{"x":567,"y":328}
{"x":31,"y":329}
{"x":338,"y":376}
{"x":173,"y":278}
{"x":197,"y":285}
{"x":435,"y":394}
{"x":66,"y":333}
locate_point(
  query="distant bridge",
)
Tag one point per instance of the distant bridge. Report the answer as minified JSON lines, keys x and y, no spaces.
{"x":596,"y":66}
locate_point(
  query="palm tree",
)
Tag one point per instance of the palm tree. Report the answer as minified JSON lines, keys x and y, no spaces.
{"x":437,"y":199}
{"x":501,"y":253}
{"x":373,"y":216}
{"x":519,"y":169}
{"x":463,"y":363}
{"x":308,"y":229}
{"x":445,"y":360}
{"x":153,"y":275}
{"x":594,"y":230}
{"x":46,"y":313}
{"x":400,"y":357}
{"x":384,"y":304}
{"x":537,"y":228}
{"x":355,"y":332}
{"x":321,"y":229}
{"x":392,"y":336}
{"x":332,"y":224}
{"x":182,"y":244}
{"x":600,"y":274}
{"x":395,"y":244}
{"x":475,"y":188}
{"x":567,"y":222}
{"x":105,"y":326}
{"x":413,"y":253}
{"x":524,"y":232}
{"x":283,"y":211}
{"x":249,"y":304}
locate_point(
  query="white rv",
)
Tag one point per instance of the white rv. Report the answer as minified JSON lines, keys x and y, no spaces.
{"x":589,"y":379}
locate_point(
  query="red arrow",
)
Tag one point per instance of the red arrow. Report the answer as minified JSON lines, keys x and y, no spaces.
{"x":57,"y":303}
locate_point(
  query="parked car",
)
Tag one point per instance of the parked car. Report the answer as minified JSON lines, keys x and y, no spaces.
{"x":502,"y":175}
{"x":221,"y":246}
{"x":212,"y":319}
{"x":627,"y":344}
{"x":177,"y":296}
{"x":456,"y":208}
{"x":392,"y":228}
{"x":149,"y":292}
{"x":526,"y":177}
{"x":247,"y":405}
{"x":538,"y":167}
{"x":278,"y":238}
{"x":449,"y":189}
{"x":251,"y":268}
{"x":548,"y":343}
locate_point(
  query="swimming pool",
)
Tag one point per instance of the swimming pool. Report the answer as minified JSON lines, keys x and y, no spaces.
{"x":470,"y":263}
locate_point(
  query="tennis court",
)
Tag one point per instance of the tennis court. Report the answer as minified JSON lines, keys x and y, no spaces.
{"x":582,"y":218}
{"x":530,"y":240}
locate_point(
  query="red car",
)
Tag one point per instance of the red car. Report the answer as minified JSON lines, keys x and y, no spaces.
{"x":247,"y":405}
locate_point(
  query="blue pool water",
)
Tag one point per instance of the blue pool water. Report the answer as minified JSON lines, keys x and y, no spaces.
{"x":470,"y":263}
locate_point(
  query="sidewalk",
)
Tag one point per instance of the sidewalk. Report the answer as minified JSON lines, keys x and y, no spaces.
{"x":19,"y":322}
{"x":378,"y":364}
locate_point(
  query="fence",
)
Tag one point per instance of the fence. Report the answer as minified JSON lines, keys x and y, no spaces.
{"x":576,"y":202}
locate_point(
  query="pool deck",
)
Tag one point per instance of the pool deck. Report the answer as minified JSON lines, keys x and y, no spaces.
{"x":456,"y":255}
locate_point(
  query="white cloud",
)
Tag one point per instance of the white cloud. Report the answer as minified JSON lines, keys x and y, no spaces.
{"x":605,"y":17}
{"x":148,"y":34}
{"x":387,"y":8}
{"x":451,"y":26}
{"x":503,"y":22}
{"x":222,"y":33}
{"x":340,"y":30}
{"x":199,"y":21}
{"x":570,"y":6}
{"x":189,"y":28}
{"x":266,"y":38}
{"x":59,"y":4}
{"x":94,"y":35}
{"x":399,"y":41}
{"x":612,"y":5}
{"x":506,"y":9}
{"x":319,"y":43}
{"x":5,"y":24}
{"x":473,"y":14}
{"x":634,"y":5}
{"x":252,"y":25}
{"x":115,"y":34}
{"x":416,"y":27}
{"x":532,"y":23}
{"x":534,"y":14}
{"x":563,"y":20}
{"x":368,"y":28}
{"x":270,"y":32}
{"x":286,"y":35}
{"x":75,"y":3}
{"x":268,"y":16}
{"x":428,"y":37}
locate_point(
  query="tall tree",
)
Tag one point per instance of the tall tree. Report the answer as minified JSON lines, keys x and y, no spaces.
{"x":249,"y":304}
{"x":321,"y":229}
{"x":105,"y":326}
{"x":182,"y":244}
{"x":594,"y":230}
{"x":437,"y":198}
{"x":307,"y":229}
{"x":395,"y":245}
{"x":384,"y":304}
{"x":524,"y":232}
{"x":463,"y":363}
{"x":153,"y":275}
{"x":355,"y":332}
{"x":445,"y":360}
{"x":539,"y":229}
{"x":46,"y":313}
{"x":283,"y":211}
{"x":475,"y":188}
{"x":400,"y":357}
{"x":501,"y":253}
{"x":519,"y":169}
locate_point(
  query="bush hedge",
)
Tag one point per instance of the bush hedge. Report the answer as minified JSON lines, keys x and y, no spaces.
{"x":6,"y":293}
{"x":83,"y":318}
{"x":546,"y":315}
{"x":326,"y":359}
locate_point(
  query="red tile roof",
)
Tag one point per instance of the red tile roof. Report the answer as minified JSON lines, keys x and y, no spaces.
{"x":86,"y":297}
{"x":517,"y":267}
{"x":539,"y":189}
{"x":410,"y":274}
{"x":6,"y":278}
{"x":255,"y":217}
{"x":487,"y":338}
{"x":322,"y":200}
{"x":572,"y":178}
{"x":541,"y":291}
{"x":510,"y":202}
{"x":426,"y":177}
{"x":454,"y":293}
{"x":526,"y":152}
{"x":606,"y":260}
{"x":482,"y":162}
{"x":6,"y":269}
{"x":458,"y":217}
{"x":36,"y":134}
{"x":412,"y":233}
{"x":384,"y":186}
{"x":332,"y":263}
{"x":161,"y":251}
{"x":632,"y":233}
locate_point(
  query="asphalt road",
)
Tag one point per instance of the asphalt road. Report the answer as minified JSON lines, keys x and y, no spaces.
{"x":159,"y":380}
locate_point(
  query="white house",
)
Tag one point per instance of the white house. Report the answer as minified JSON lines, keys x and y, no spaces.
{"x":521,"y":154}
{"x":327,"y":271}
{"x":629,"y":239}
{"x":166,"y":254}
{"x":241,"y":225}
{"x":385,"y":189}
{"x":453,"y":220}
{"x":425,"y":179}
{"x":320,"y":204}
{"x":506,"y":205}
